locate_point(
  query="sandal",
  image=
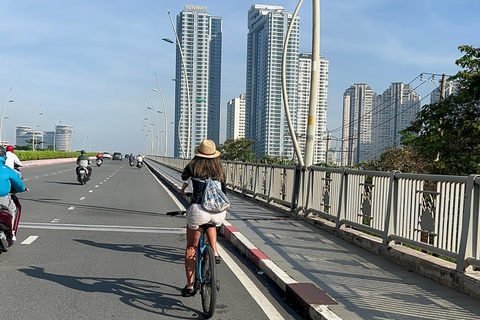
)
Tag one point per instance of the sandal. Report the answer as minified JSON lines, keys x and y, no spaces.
{"x":188,"y":292}
{"x":218,"y":259}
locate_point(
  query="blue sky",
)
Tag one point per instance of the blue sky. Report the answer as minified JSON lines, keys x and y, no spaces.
{"x":92,"y":63}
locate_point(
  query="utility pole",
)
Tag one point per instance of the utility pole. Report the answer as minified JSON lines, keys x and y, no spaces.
{"x":315,"y":66}
{"x":443,"y":86}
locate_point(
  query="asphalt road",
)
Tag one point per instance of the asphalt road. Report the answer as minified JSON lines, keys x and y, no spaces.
{"x":107,"y":250}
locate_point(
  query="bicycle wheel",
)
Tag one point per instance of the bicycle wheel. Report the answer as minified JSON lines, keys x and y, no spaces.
{"x":208,"y":288}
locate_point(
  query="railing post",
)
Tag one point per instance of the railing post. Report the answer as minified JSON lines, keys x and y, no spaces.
{"x":343,"y":199}
{"x":466,"y":237}
{"x":298,"y":196}
{"x":390,"y":226}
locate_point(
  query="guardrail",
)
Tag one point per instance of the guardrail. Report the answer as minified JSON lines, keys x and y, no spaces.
{"x":439,"y":214}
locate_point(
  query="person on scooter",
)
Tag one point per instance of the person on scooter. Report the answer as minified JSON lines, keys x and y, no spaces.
{"x":100,"y":155}
{"x":84,"y":161}
{"x":9,"y":180}
{"x":139,"y":160}
{"x":131,"y":159}
{"x":12,"y":160}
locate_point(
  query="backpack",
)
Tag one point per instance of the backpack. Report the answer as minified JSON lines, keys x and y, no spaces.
{"x":213,"y":199}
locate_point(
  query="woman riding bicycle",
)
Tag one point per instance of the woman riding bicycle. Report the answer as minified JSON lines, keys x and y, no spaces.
{"x":205,"y":164}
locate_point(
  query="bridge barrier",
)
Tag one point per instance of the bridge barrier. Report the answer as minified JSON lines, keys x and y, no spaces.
{"x":438,"y":215}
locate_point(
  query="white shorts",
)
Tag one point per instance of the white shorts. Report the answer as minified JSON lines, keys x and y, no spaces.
{"x":196,"y":216}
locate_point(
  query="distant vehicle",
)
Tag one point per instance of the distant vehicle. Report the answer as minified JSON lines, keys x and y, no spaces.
{"x":117,"y":156}
{"x":127,"y":155}
{"x":107,"y":155}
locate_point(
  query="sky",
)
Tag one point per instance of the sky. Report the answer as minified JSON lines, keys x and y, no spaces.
{"x":92,"y":63}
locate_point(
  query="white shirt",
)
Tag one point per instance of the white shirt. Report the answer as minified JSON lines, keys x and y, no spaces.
{"x":140,"y":159}
{"x":12,"y":159}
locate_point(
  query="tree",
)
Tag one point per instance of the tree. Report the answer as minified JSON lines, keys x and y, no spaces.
{"x":446,"y":134}
{"x":237,"y":150}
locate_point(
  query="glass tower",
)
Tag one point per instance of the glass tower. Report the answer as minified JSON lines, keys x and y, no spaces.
{"x":265,"y":120}
{"x":200,"y":37}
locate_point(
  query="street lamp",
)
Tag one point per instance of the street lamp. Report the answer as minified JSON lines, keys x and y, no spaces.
{"x":186,"y":84}
{"x":156,"y":123}
{"x":3,"y":114}
{"x":164,"y":114}
{"x":55,"y":131}
{"x":34,"y":129}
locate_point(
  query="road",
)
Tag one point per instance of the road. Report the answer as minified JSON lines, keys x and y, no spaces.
{"x":107,"y":250}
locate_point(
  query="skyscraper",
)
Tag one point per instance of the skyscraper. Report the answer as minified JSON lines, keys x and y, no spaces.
{"x":265,"y":121}
{"x":200,"y":37}
{"x":357,"y":124}
{"x":236,"y":117}
{"x":392,"y":111}
{"x":304,"y":80}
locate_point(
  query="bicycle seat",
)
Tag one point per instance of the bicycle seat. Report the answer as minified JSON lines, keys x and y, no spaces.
{"x":207,"y":225}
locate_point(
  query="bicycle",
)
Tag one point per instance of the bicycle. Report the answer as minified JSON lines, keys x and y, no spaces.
{"x":205,"y":278}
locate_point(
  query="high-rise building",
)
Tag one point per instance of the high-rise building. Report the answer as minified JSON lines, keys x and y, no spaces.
{"x":450,"y":88}
{"x":236,"y":117}
{"x":392,"y":111}
{"x":25,"y":136}
{"x":200,"y":39}
{"x":63,"y":137}
{"x":304,"y":80}
{"x":357,"y":124}
{"x":265,"y":120}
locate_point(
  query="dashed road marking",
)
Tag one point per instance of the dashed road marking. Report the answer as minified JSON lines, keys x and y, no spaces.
{"x":55,"y":220}
{"x":29,"y":240}
{"x":90,"y":191}
{"x":71,"y":208}
{"x":82,"y":198}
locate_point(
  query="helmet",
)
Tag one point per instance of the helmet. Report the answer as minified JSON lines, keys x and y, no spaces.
{"x":10,"y":148}
{"x":2,"y":152}
{"x":82,"y":152}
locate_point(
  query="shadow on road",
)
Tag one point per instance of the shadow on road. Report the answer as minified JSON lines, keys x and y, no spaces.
{"x":146,"y":295}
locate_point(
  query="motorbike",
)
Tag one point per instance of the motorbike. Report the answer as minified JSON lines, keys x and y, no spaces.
{"x":132,"y":163}
{"x":139,"y":164}
{"x":82,"y":175}
{"x":6,"y":224}
{"x":99,"y":162}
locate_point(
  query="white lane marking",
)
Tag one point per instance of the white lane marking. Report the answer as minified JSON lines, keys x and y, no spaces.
{"x":36,"y":177}
{"x":71,"y":208}
{"x":25,"y":179}
{"x":55,"y":220}
{"x":82,"y":198}
{"x":85,"y":227}
{"x":90,"y":191}
{"x":96,"y":186}
{"x":46,"y":175}
{"x":256,"y":294}
{"x":29,"y":240}
{"x":178,"y":203}
{"x":53,"y":173}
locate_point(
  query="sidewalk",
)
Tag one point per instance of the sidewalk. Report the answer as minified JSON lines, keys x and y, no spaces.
{"x":327,"y":277}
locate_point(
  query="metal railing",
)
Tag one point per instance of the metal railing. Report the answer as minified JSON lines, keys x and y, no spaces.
{"x":439,"y":214}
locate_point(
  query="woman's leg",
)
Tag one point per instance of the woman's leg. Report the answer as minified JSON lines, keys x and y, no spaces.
{"x":192,"y":241}
{"x":212,"y":239}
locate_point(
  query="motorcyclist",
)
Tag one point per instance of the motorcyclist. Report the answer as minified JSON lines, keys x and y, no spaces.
{"x":131,"y":159}
{"x":139,"y":160}
{"x":84,"y":161}
{"x":12,"y":160}
{"x":100,"y":155}
{"x":9,"y":181}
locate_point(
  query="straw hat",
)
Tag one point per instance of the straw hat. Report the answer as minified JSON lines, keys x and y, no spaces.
{"x":207,"y":149}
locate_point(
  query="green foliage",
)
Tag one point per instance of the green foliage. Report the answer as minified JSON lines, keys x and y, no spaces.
{"x":39,"y":155}
{"x":266,"y":159}
{"x":446,"y":135}
{"x":237,"y":150}
{"x":401,"y":159}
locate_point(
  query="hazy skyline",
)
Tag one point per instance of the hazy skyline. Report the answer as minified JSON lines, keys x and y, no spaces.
{"x":92,"y":64}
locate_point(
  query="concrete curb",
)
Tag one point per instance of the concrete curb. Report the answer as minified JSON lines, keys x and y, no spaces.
{"x":309,"y":300}
{"x":33,"y":163}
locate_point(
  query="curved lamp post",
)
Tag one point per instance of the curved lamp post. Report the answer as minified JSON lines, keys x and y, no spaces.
{"x":164,"y":114}
{"x":34,"y":129}
{"x":156,"y":124}
{"x":3,"y":113}
{"x":186,"y":84}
